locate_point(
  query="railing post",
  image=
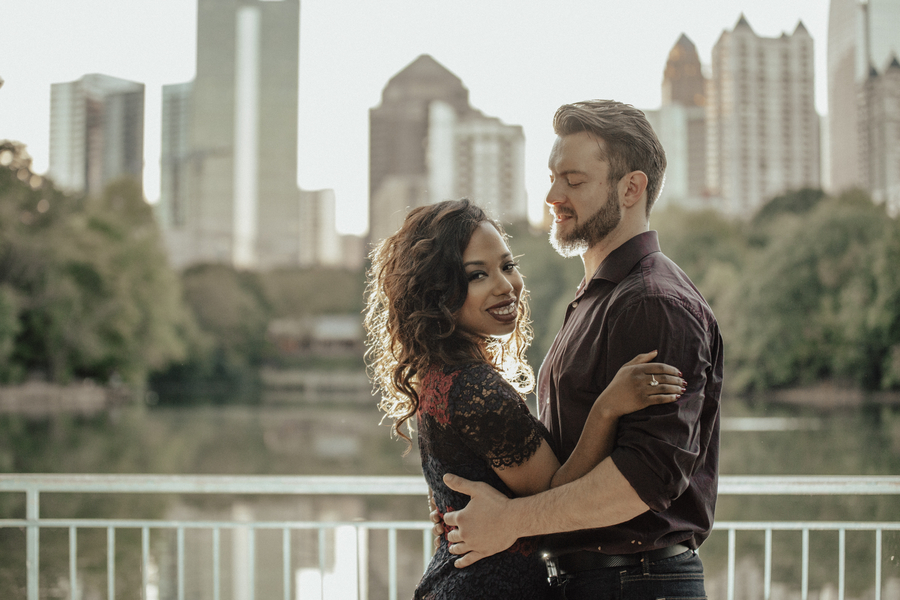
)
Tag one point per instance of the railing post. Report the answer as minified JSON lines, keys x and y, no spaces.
{"x":179,"y":553}
{"x":321,"y":563}
{"x":216,"y":548}
{"x":73,"y":563}
{"x":767,"y":577}
{"x":145,"y":562}
{"x":877,"y":564}
{"x":804,"y":559}
{"x":392,"y":563}
{"x":732,"y":545}
{"x":842,"y":561}
{"x":111,"y":563}
{"x":32,"y":542}
{"x":286,"y":563}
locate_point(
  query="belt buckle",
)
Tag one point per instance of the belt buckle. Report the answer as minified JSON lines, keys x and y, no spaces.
{"x":553,"y":577}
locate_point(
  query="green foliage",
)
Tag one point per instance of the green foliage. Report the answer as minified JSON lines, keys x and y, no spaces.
{"x":302,"y":292}
{"x":808,"y":290}
{"x":85,"y":289}
{"x":804,"y":312}
{"x":797,"y":203}
{"x":229,"y":343}
{"x":233,"y":310}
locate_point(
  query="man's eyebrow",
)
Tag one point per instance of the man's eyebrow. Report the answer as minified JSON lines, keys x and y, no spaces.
{"x":571,"y":172}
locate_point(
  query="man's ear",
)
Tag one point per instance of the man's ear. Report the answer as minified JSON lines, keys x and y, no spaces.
{"x":632,"y":188}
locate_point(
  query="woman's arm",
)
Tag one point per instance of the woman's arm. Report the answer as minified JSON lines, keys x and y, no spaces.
{"x":629,"y":391}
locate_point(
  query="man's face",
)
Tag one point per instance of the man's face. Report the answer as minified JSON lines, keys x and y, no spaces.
{"x":584,"y":203}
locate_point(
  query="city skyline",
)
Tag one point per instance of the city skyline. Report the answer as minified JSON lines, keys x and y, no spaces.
{"x":510,"y":61}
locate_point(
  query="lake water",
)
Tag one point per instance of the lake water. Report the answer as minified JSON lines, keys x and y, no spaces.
{"x":287,"y":434}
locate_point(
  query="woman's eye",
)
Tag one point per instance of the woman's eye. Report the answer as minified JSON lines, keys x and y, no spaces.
{"x":476,"y":275}
{"x":511,"y":266}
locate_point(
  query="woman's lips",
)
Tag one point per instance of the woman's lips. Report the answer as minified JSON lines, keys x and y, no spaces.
{"x":505,"y":312}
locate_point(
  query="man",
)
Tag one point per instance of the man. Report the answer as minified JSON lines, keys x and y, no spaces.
{"x":635,"y":521}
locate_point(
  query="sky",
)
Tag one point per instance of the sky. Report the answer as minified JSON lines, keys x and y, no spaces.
{"x":520,"y":60}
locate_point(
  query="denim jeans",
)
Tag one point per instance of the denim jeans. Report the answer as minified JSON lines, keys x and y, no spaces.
{"x":676,"y":578}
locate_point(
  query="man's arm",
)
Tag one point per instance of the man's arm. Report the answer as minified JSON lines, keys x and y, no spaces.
{"x":604,"y":497}
{"x":492,"y":522}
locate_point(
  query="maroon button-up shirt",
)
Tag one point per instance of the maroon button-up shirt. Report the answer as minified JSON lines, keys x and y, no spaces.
{"x":638,"y":301}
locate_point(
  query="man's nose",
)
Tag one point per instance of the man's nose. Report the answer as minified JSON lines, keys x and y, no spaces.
{"x":554,"y":195}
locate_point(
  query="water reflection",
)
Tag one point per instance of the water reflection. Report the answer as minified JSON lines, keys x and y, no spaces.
{"x":341,"y":435}
{"x":771,"y":424}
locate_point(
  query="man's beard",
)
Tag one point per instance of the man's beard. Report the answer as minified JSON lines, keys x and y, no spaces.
{"x":591,"y":232}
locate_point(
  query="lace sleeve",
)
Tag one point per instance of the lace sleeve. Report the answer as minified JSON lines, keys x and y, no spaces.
{"x":493,"y":419}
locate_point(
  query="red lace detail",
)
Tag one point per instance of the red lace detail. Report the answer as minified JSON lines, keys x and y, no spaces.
{"x":433,"y":395}
{"x":524,"y":546}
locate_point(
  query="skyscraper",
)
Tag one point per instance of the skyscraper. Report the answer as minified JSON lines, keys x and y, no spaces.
{"x":477,"y":157}
{"x":229,"y":185}
{"x":427,"y":144}
{"x":762,"y":126}
{"x":680,"y":125}
{"x":174,"y":192}
{"x":96,"y":132}
{"x":683,"y":80}
{"x":321,"y":244}
{"x":879,"y":135}
{"x":863,"y":44}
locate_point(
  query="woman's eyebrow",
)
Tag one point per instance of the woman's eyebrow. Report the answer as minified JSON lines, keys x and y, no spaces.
{"x":504,"y":256}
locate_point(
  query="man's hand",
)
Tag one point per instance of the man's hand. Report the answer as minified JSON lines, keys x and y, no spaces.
{"x":483,"y":527}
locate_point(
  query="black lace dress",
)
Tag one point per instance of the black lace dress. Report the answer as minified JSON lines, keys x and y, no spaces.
{"x":470,"y":420}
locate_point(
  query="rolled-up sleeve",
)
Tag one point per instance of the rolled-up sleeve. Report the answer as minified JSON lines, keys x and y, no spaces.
{"x":658,"y":448}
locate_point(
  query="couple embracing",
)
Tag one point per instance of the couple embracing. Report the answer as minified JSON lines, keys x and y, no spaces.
{"x":609,"y":492}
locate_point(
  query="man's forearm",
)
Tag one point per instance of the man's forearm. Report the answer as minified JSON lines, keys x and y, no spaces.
{"x":601,"y":498}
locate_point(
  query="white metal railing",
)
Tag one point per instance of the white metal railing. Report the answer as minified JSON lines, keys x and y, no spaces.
{"x":35,"y":485}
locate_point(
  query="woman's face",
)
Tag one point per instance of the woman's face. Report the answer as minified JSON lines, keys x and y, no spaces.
{"x":495,"y":285}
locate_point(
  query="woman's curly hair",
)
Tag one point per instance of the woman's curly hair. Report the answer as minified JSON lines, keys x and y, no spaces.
{"x":415,"y":286}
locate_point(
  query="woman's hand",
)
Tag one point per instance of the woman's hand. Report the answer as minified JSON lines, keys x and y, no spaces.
{"x":633,"y":387}
{"x":437,"y":529}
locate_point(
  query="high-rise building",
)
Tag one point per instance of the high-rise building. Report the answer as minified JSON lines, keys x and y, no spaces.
{"x":862,"y":36}
{"x":476,"y":157}
{"x":427,"y":144}
{"x":229,"y":173}
{"x":683,"y":80}
{"x":174,"y":164}
{"x":321,"y":244}
{"x":762,"y":126}
{"x":96,"y":132}
{"x":680,"y":125}
{"x":879,"y":135}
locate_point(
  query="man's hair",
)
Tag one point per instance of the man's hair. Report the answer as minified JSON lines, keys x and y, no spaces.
{"x":631,"y":144}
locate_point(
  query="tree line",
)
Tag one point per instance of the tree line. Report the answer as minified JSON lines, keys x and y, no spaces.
{"x":806,"y":291}
{"x":86,"y":292}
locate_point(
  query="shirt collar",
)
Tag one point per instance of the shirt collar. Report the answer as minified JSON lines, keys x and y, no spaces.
{"x":620,"y":261}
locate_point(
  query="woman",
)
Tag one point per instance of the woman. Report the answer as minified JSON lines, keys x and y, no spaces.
{"x":447,"y":324}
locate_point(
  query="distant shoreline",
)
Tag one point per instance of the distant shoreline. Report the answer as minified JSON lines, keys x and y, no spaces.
{"x":42,"y":399}
{"x":39,"y":399}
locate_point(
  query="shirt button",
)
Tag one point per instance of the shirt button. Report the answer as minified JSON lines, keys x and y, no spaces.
{"x":574,"y":304}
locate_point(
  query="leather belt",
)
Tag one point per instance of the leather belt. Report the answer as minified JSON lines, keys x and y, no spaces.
{"x":584,"y":560}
